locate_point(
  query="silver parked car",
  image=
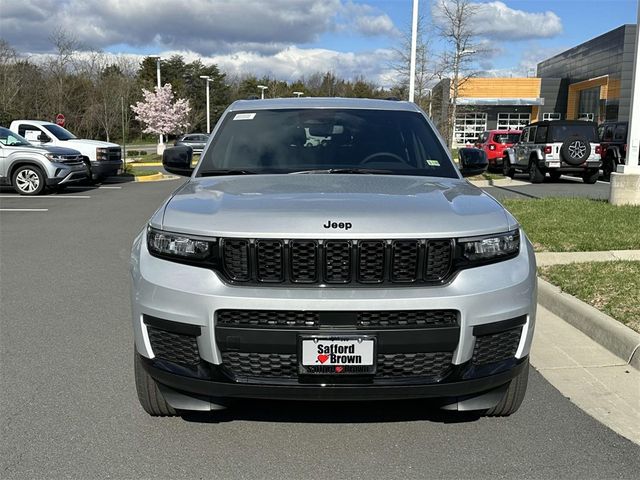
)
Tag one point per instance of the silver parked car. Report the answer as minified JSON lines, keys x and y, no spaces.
{"x":362,"y":266}
{"x":196,"y":141}
{"x":29,"y":169}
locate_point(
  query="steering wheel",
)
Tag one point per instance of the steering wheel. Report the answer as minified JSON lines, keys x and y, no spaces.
{"x":383,"y":154}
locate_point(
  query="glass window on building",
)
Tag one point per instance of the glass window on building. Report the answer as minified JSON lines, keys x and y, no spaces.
{"x":469,"y":126}
{"x":551,"y":116}
{"x":589,"y":106}
{"x":513,"y":121}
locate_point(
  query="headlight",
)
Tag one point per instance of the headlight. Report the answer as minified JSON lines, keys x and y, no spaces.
{"x":178,"y":246}
{"x":490,"y":247}
{"x":53,"y":157}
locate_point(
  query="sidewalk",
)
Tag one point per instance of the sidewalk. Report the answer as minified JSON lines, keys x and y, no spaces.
{"x":589,"y":375}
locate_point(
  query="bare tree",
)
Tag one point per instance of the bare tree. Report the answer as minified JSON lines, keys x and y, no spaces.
{"x":455,"y":22}
{"x":427,"y":66}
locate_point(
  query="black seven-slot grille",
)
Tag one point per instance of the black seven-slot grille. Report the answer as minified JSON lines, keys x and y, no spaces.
{"x":389,"y":365}
{"x":315,"y":319}
{"x":336,"y":262}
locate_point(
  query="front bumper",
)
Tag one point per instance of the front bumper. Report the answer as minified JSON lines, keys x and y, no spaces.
{"x":63,"y":174}
{"x":191,"y":297}
{"x":105,"y":168}
{"x":219,"y":388}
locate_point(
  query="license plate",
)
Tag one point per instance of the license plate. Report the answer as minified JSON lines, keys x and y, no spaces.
{"x":337,"y":355}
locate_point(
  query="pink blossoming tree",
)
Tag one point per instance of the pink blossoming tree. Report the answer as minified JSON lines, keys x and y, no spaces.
{"x":160,"y":113}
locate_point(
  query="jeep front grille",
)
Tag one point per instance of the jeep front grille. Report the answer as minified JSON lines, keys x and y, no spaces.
{"x":390,"y":365}
{"x":297,"y":319}
{"x":336,"y":262}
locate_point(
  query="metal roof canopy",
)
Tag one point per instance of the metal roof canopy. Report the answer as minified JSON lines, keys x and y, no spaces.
{"x":500,"y":101}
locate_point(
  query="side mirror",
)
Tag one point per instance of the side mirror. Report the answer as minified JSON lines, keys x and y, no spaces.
{"x":473,"y":161}
{"x":43,"y":138}
{"x":178,"y":160}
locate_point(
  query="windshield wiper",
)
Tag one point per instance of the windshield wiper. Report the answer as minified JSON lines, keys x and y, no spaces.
{"x":364,"y":171}
{"x":220,"y":172}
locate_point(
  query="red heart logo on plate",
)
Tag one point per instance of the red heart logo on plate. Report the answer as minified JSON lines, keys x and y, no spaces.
{"x":323,"y":358}
{"x":339,"y":369}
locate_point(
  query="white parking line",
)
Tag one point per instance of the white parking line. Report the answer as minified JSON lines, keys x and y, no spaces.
{"x":85,"y":188}
{"x":47,"y":197}
{"x":24,"y":209}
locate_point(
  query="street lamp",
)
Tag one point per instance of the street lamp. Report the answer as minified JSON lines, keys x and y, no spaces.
{"x":298,"y":94}
{"x":414,"y":43}
{"x":157,"y":57}
{"x":263,"y":88}
{"x":208,"y":79}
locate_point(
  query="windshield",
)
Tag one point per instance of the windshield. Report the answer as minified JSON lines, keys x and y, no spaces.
{"x":327,"y":141}
{"x":10,"y":139}
{"x":505,"y":138}
{"x":59,"y":132}
{"x":559,"y":133}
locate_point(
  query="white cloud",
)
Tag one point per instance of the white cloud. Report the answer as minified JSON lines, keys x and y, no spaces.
{"x":495,"y":20}
{"x":205,"y":26}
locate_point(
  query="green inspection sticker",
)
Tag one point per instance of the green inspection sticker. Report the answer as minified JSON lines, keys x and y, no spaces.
{"x":433,"y":163}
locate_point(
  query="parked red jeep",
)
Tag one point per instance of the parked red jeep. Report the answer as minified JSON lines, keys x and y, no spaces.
{"x":493,"y":142}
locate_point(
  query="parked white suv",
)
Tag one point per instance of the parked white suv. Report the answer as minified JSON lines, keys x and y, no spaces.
{"x":102,"y":158}
{"x":556,"y":147}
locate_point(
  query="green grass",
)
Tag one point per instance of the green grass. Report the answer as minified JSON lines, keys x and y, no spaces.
{"x":577,"y":224}
{"x":612,"y":287}
{"x":139,"y":171}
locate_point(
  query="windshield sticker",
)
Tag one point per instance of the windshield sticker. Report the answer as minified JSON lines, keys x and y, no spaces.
{"x":433,"y":163}
{"x":244,"y":116}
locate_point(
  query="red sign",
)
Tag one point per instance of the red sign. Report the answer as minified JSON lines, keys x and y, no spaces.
{"x":60,"y":119}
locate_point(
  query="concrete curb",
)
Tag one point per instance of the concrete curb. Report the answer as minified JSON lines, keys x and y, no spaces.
{"x":156,"y":177}
{"x":611,"y":334}
{"x":544,"y":259}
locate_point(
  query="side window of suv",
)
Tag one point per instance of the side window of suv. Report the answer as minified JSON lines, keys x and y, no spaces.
{"x":29,"y":132}
{"x":607,"y":135}
{"x":524,"y":135}
{"x":532,"y":134}
{"x":541,"y":135}
{"x":620,"y":132}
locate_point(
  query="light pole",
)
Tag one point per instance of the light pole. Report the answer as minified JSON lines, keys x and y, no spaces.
{"x":161,"y":141}
{"x":414,"y":43}
{"x":625,"y":182}
{"x":263,"y":88}
{"x":457,"y":60}
{"x":208,"y":79}
{"x":298,"y":94}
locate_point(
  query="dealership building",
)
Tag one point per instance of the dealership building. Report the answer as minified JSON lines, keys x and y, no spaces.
{"x":591,"y":81}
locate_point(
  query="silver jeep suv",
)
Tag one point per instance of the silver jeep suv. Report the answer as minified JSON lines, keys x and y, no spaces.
{"x":329,"y":249}
{"x":555,"y":147}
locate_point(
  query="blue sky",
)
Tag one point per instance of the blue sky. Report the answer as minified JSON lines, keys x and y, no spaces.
{"x":288,"y":39}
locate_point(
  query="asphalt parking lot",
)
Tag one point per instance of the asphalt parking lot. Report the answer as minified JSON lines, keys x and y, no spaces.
{"x":69,"y":407}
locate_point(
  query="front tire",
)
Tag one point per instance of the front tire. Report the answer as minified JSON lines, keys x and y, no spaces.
{"x":149,"y":394}
{"x":507,"y":171}
{"x":513,"y":397}
{"x":591,"y":176}
{"x":28,"y":180}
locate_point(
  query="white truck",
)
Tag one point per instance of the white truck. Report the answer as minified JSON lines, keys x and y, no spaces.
{"x":102,"y":158}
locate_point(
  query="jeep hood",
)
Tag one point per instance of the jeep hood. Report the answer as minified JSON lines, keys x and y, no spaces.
{"x":298,"y":206}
